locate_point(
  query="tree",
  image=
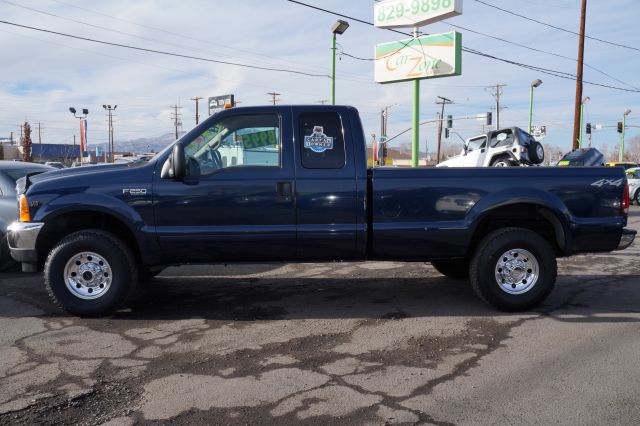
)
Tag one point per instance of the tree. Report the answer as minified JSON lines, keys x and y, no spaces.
{"x":26,"y":142}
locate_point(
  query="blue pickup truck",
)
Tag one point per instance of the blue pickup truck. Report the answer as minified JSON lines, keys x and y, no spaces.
{"x":290,"y":183}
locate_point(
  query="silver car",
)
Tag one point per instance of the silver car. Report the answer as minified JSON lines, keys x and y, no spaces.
{"x":633,"y":176}
{"x":10,"y":172}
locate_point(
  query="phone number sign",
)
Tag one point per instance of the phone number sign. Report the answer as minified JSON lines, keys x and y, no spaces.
{"x":432,"y":56}
{"x":414,"y":13}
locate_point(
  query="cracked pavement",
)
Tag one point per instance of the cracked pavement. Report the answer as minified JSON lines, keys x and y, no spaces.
{"x":349,"y":343}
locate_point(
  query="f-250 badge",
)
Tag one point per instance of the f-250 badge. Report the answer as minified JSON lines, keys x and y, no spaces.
{"x":318,"y":141}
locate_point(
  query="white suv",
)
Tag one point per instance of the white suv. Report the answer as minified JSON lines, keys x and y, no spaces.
{"x":501,"y":148}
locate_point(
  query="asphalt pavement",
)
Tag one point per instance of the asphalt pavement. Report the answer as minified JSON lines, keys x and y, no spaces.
{"x":347,"y":343}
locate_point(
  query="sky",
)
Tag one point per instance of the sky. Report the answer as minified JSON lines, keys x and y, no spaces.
{"x":43,"y":74}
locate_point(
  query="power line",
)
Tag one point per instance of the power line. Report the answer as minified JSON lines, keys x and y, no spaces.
{"x":161,"y":52}
{"x":555,"y":26}
{"x":548,"y":71}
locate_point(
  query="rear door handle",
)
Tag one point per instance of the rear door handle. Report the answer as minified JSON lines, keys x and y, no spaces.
{"x":284,"y":192}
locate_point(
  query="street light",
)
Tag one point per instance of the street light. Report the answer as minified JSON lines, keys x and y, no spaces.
{"x":584,"y":102}
{"x":110,"y":109}
{"x":624,"y":126}
{"x":83,"y":142}
{"x":338,"y":28}
{"x":534,"y":84}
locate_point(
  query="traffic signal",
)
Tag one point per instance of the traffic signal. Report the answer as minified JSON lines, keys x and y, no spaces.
{"x":489,"y":119}
{"x":588,"y":128}
{"x":619,"y":126}
{"x":449,"y":122}
{"x":446,"y":133}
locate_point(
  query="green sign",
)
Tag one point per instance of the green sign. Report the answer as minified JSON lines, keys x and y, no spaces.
{"x":414,"y":13}
{"x":433,"y":56}
{"x":259,"y":139}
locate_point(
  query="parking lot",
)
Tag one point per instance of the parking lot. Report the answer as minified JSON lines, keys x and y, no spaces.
{"x":354,"y":343}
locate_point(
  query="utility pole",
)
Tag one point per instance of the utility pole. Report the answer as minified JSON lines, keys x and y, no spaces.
{"x":11,"y":139}
{"x":577,"y":131}
{"x":112,"y":145}
{"x":496,"y":92}
{"x":274,"y":97}
{"x":443,"y":101}
{"x":197,"y":99}
{"x":323,"y":101}
{"x":175,"y":116}
{"x":40,"y":139}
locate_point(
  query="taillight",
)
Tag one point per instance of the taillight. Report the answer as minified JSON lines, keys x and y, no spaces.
{"x":25,"y":216}
{"x":626,"y":201}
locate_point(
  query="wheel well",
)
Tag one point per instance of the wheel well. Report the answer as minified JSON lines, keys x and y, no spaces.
{"x":496,"y":157}
{"x":529,"y":216}
{"x":56,"y":229}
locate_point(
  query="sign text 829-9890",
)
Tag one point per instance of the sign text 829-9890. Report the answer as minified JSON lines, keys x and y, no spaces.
{"x":402,"y":8}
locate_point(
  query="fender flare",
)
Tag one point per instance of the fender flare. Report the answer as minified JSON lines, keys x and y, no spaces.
{"x":551,"y":208}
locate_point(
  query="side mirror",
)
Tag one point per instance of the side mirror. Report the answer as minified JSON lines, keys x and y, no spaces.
{"x":176,"y":166}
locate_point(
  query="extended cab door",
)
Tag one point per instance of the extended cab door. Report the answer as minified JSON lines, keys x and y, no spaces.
{"x":326,"y":189}
{"x":241,"y":206}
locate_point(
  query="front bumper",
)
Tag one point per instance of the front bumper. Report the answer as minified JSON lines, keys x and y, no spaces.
{"x":22,"y":237}
{"x":628,"y":235}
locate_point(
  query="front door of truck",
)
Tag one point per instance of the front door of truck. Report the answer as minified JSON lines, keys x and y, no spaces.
{"x":241,"y":205}
{"x":476,"y":152}
{"x":326,"y":190}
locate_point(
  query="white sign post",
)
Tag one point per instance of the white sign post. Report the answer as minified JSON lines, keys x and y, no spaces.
{"x":414,"y":13}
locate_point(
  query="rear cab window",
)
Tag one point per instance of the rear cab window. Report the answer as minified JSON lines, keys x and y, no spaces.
{"x":321,"y":141}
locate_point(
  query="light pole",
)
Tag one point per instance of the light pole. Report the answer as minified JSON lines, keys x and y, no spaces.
{"x":534,"y":84}
{"x":584,"y":102}
{"x":624,"y":125}
{"x":338,"y":28}
{"x":83,"y":129}
{"x":112,"y":147}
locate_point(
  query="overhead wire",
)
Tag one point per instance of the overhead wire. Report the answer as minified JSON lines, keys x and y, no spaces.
{"x":474,"y":51}
{"x":161,"y":52}
{"x":546,"y":24}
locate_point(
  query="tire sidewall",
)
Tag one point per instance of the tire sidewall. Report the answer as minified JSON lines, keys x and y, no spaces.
{"x":533,"y":152}
{"x":487,"y":262}
{"x":504,"y":160}
{"x":121,"y":270}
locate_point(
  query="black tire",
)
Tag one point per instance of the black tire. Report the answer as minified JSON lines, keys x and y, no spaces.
{"x":6,"y":261}
{"x":502,"y":162}
{"x":122,"y":267}
{"x":637,"y":197}
{"x":456,"y":270}
{"x":536,"y":152}
{"x":488,"y":257}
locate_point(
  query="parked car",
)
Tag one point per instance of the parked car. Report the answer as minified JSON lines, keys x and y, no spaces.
{"x":582,"y":157}
{"x":501,"y":148}
{"x":633,"y":177}
{"x":10,"y":172}
{"x":625,"y":164}
{"x":290,"y":183}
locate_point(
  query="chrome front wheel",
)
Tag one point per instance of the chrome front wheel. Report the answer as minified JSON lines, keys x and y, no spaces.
{"x":88,"y":275}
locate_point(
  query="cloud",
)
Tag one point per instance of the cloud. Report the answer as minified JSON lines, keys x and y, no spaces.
{"x":43,"y":75}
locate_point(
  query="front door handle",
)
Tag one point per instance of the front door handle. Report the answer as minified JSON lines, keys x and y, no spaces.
{"x":284,"y":192}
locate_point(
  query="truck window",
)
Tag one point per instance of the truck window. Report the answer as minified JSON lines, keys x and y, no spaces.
{"x":321,"y":141}
{"x":238,"y":141}
{"x":477,"y":143}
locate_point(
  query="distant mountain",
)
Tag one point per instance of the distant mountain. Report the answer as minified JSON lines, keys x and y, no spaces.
{"x":141,"y":145}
